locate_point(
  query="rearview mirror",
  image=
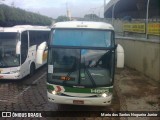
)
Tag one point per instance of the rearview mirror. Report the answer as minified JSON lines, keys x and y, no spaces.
{"x":120,"y":56}
{"x":41,"y":53}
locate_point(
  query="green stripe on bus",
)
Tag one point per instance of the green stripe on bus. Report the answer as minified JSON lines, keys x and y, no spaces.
{"x":83,"y":90}
{"x":77,"y":90}
{"x":50,"y":87}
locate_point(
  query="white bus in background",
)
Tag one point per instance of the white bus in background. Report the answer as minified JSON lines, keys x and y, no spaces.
{"x":18,"y":50}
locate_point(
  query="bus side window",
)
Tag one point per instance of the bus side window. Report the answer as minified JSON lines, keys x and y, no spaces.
{"x":32,"y":38}
{"x":37,"y":37}
{"x":44,"y":36}
{"x":24,"y":46}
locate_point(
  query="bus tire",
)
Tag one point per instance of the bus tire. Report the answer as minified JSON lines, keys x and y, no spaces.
{"x":32,"y":69}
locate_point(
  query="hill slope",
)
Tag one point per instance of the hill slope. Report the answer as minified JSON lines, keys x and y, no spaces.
{"x":10,"y":16}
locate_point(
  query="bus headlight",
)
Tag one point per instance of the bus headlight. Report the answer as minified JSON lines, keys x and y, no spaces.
{"x":105,"y":95}
{"x":54,"y":92}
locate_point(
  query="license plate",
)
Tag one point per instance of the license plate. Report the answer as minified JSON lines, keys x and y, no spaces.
{"x":78,"y":102}
{"x":1,"y":77}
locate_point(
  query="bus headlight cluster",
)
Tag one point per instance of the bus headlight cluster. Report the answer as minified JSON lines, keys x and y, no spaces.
{"x":105,"y":95}
{"x":54,"y":92}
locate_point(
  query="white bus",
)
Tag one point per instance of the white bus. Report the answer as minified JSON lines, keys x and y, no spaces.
{"x":18,"y":49}
{"x":81,"y":63}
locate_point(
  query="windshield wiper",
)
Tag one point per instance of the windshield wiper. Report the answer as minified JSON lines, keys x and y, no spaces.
{"x":89,"y":74}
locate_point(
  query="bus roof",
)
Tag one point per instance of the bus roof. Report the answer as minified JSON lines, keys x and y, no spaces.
{"x":21,"y":28}
{"x":83,"y":24}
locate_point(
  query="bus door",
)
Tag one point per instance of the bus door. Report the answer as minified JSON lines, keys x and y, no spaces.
{"x":24,"y":53}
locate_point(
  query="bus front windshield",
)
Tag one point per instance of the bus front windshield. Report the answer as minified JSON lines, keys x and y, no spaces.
{"x":8,"y":57}
{"x":80,"y":66}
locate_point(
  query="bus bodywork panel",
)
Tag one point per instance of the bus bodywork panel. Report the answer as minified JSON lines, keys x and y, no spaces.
{"x":94,"y":101}
{"x":99,"y":96}
{"x":83,"y":24}
{"x":21,"y":28}
{"x":10,"y":73}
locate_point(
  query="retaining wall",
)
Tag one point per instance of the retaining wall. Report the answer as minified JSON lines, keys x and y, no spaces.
{"x":142,"y":55}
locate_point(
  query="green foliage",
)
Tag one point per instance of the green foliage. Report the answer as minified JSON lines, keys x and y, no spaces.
{"x":2,"y":17}
{"x":91,"y":17}
{"x":10,"y":16}
{"x":62,"y":18}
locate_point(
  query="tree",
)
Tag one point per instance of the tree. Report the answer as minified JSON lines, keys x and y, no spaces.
{"x":62,"y":18}
{"x":91,"y":17}
{"x":15,"y":16}
{"x":2,"y":17}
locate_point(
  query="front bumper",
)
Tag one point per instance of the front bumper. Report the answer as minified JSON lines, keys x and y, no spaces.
{"x":93,"y":101}
{"x":13,"y":76}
